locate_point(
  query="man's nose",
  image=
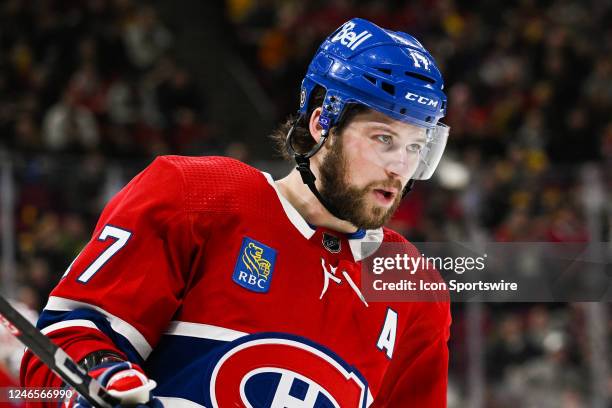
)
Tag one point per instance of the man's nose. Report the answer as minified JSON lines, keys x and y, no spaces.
{"x":402,"y":165}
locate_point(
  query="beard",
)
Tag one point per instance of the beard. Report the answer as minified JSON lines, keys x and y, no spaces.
{"x":351,"y":203}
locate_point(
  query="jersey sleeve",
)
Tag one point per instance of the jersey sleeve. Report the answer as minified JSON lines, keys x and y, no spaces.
{"x":418,"y":375}
{"x":122,"y":290}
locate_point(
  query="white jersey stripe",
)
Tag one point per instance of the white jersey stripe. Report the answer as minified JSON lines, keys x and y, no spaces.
{"x":373,"y":237}
{"x":294,"y":216}
{"x":203,"y":331}
{"x":69,"y":323}
{"x":136,"y":339}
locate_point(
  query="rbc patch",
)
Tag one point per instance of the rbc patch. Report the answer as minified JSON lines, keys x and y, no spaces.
{"x":254,"y":266}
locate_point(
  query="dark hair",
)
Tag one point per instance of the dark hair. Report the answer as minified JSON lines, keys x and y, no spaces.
{"x":302,"y":139}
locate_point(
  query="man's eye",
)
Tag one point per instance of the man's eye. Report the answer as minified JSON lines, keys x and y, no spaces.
{"x":415,"y":147}
{"x":386,"y":139}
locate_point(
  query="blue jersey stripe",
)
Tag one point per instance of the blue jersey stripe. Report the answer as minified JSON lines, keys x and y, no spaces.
{"x":49,"y":317}
{"x":178,"y":364}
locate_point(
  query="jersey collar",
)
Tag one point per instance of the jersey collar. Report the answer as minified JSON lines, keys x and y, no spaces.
{"x":294,"y":216}
{"x":355,"y":239}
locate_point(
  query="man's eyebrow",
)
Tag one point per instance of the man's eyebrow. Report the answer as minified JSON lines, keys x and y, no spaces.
{"x":384,"y":128}
{"x":387,"y":129}
{"x":422,"y":139}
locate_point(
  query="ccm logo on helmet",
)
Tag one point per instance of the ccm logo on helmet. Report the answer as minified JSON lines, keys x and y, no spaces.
{"x":422,"y":100}
{"x":350,"y":38}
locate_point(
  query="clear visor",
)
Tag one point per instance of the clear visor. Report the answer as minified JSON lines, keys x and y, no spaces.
{"x":432,"y":152}
{"x":414,"y":155}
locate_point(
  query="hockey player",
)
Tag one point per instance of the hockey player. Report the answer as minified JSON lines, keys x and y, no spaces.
{"x":208,"y":284}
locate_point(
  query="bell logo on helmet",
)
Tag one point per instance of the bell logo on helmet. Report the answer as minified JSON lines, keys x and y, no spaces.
{"x":422,"y":100}
{"x":419,"y":59}
{"x":350,"y":38}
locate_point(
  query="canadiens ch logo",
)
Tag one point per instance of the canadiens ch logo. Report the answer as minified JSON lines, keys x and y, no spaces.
{"x":254,"y":266}
{"x":331,"y":243}
{"x":276,"y":370}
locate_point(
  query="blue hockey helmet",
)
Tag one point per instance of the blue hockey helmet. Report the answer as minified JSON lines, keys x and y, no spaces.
{"x":385,"y":70}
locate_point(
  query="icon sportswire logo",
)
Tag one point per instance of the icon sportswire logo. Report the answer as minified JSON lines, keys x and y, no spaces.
{"x":350,"y":38}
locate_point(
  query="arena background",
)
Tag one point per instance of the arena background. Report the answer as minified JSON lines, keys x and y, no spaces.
{"x":91,"y":91}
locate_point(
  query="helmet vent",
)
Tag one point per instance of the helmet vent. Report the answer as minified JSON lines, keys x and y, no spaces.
{"x":384,"y":70}
{"x":388,"y":88}
{"x":419,"y":76}
{"x":370,"y":78}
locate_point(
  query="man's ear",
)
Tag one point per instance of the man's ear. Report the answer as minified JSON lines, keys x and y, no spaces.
{"x":314,"y":126}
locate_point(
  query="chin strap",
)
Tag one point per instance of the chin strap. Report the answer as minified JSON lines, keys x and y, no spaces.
{"x":303,"y":166}
{"x":308,"y":177}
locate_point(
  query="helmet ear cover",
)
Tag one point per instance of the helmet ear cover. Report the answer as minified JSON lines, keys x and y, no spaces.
{"x":289,"y":141}
{"x":320,"y":98}
{"x":303,"y":158}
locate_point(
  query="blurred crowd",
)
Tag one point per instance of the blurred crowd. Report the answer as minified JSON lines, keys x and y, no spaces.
{"x":90,"y":91}
{"x":94,"y":77}
{"x":533,"y":355}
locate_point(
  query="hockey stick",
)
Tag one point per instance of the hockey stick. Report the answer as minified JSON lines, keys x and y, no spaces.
{"x":54,"y":357}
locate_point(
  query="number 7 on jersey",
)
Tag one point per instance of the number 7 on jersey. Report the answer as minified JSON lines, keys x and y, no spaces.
{"x":121,"y":238}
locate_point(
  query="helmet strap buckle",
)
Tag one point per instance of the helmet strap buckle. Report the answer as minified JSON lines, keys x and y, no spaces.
{"x":303,"y":166}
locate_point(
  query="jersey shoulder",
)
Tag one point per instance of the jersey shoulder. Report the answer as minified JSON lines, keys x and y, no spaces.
{"x":213,"y":169}
{"x":211,"y":166}
{"x":390,"y":235}
{"x":216,"y":184}
{"x":397,"y":242}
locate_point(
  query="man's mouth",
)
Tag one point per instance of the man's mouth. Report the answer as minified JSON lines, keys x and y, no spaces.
{"x":385,"y":195}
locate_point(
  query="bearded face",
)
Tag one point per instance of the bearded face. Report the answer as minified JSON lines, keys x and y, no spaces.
{"x":356,"y":204}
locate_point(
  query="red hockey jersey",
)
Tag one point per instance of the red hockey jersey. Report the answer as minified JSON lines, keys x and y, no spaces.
{"x":203,"y":273}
